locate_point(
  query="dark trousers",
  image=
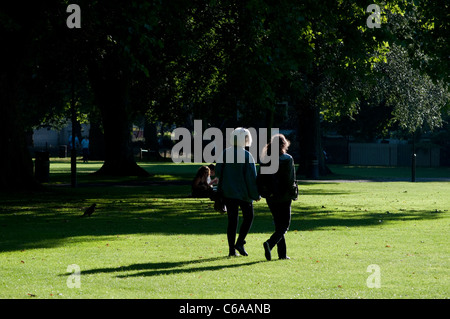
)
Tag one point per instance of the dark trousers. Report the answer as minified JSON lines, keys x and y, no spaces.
{"x":281,"y":213}
{"x":85,"y":154}
{"x":233,"y":220}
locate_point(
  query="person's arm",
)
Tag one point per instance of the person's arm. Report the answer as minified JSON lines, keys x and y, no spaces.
{"x":197,"y":184}
{"x":291,"y":171}
{"x":250,"y":178}
{"x":219,"y":167}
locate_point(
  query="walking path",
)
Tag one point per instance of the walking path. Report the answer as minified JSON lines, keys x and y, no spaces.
{"x":183,"y":182}
{"x":394,"y":179}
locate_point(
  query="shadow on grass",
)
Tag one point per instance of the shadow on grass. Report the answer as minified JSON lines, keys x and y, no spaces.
{"x":52,"y":218}
{"x":166,"y":268}
{"x":315,"y":219}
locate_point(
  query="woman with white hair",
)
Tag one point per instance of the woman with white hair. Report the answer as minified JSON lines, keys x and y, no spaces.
{"x":238,"y":183}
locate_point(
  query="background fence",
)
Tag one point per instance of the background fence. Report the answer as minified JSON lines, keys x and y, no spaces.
{"x":381,"y":154}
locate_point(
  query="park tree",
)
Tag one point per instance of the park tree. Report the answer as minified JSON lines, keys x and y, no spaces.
{"x":407,"y":90}
{"x":18,"y":27}
{"x":140,"y":57}
{"x":178,"y":60}
{"x":152,"y":58}
{"x":330,"y":49}
{"x":417,"y":101}
{"x":428,"y":32}
{"x":113,"y":41}
{"x":312,"y":54}
{"x":405,"y":83}
{"x":401,"y":97}
{"x":386,"y":68}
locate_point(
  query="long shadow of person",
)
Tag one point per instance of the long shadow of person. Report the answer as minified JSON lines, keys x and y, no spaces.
{"x":161,"y":268}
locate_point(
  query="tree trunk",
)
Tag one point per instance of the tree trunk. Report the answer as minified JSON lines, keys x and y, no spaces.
{"x":312,"y":162}
{"x":16,"y":164}
{"x":151,"y":137}
{"x":111,"y":85}
{"x":96,"y":140}
{"x":308,"y":140}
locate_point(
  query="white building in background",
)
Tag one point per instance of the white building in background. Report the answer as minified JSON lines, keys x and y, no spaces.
{"x":52,"y":140}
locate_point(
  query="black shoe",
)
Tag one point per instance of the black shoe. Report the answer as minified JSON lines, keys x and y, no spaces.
{"x":240,"y":249}
{"x":267,"y":250}
{"x":232,"y":253}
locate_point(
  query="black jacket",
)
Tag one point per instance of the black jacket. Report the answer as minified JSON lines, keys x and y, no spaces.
{"x":284,"y":179}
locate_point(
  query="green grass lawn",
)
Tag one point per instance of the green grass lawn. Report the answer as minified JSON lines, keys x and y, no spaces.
{"x":149,"y":240}
{"x":389,"y":173}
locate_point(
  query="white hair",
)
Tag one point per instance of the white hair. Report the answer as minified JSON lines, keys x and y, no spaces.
{"x":241,"y":137}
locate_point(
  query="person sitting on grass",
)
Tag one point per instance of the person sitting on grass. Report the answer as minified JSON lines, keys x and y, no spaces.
{"x":212,"y":172}
{"x":200,"y":185}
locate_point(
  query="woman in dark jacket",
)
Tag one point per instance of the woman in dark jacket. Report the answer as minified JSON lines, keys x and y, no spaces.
{"x":238,"y":185}
{"x":280,"y":202}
